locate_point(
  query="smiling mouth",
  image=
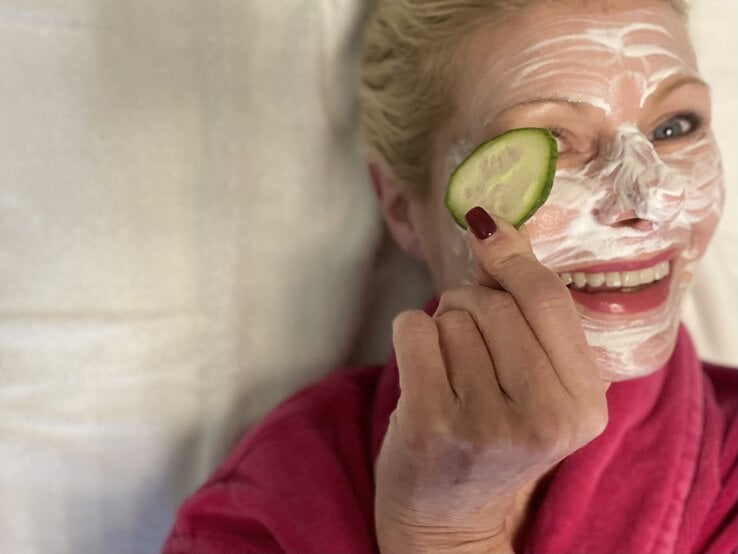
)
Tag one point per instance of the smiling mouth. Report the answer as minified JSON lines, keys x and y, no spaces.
{"x":611,"y":281}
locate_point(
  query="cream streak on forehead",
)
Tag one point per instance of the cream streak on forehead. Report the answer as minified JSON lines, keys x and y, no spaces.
{"x":584,"y":59}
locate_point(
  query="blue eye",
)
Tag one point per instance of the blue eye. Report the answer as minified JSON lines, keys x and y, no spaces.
{"x":675,"y":127}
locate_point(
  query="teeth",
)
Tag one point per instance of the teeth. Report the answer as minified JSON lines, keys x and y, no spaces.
{"x":595,"y":279}
{"x":614,"y":279}
{"x":617,"y":279}
{"x":660,"y":271}
{"x":646,"y":276}
{"x":631,"y":278}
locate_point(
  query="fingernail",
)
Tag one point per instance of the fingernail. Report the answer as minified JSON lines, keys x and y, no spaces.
{"x":481,"y":224}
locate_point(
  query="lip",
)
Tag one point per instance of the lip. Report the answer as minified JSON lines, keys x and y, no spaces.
{"x":625,"y":265}
{"x":650,"y":297}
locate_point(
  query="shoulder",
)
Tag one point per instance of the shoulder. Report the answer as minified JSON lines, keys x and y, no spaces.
{"x":307,"y":465}
{"x":327,"y":419}
{"x":349,"y":389}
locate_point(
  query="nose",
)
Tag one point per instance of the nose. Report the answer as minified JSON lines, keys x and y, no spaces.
{"x":642,"y":191}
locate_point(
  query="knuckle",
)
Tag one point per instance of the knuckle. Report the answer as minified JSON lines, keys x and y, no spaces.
{"x":545,"y":440}
{"x":552,"y":299}
{"x":513,"y":261}
{"x":599,"y":425}
{"x":589,"y":427}
{"x":455,"y":319}
{"x":409,"y":321}
{"x":588,"y":430}
{"x":498,"y":302}
{"x":558,"y":433}
{"x":596,"y":420}
{"x":543,"y":286}
{"x":456,"y":297}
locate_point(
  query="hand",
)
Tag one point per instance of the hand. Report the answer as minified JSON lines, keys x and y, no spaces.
{"x":496,"y":388}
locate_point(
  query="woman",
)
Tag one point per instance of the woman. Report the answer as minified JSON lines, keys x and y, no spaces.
{"x":549,"y":401}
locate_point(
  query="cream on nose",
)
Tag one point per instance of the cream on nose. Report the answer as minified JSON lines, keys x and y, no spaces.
{"x":641,"y":187}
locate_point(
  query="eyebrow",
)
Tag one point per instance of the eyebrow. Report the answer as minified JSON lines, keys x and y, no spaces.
{"x":665,"y":90}
{"x":570,"y":102}
{"x":581,"y":104}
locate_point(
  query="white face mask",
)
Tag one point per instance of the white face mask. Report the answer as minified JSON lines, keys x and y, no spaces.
{"x":637,"y":185}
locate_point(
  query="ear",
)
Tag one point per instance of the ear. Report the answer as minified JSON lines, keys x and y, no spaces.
{"x":395,"y":206}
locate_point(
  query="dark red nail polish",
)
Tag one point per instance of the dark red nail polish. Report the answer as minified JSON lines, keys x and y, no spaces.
{"x":481,"y":224}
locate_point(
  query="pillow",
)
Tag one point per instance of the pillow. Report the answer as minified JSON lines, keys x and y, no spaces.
{"x":185,"y":236}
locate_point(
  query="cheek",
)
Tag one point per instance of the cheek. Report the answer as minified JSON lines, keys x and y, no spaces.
{"x":701,"y":233}
{"x":550,"y":221}
{"x":561,"y":228}
{"x":445,"y":251}
{"x":705,"y":193}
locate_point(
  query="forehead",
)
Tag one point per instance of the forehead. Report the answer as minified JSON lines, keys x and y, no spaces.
{"x":586,"y":53}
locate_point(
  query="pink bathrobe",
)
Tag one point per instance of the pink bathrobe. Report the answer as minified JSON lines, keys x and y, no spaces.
{"x":663,"y":477}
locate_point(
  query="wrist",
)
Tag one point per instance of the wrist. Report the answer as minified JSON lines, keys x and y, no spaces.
{"x":446,"y":545}
{"x":422,"y":539}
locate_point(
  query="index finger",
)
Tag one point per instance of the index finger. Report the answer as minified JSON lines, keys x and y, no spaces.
{"x":506,"y":258}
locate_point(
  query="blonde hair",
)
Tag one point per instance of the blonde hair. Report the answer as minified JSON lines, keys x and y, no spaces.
{"x":408,"y":72}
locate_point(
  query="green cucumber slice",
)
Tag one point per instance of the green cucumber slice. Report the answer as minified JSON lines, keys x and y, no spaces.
{"x":510,"y":176}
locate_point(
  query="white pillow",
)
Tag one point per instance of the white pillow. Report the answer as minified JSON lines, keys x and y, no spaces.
{"x":185,"y":234}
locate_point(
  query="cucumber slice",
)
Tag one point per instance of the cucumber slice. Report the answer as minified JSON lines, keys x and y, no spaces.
{"x":510,"y":176}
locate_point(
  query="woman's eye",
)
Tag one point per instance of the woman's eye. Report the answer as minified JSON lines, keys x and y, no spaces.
{"x":559,"y":135}
{"x":675,"y":127}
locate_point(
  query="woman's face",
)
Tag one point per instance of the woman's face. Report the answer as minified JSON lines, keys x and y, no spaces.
{"x":638,"y":189}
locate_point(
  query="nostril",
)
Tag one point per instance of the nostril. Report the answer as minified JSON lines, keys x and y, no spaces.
{"x":635,"y":223}
{"x":623,"y":218}
{"x":615,"y":216}
{"x":643,"y":225}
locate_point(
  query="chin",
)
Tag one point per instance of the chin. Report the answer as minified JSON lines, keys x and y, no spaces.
{"x":639,"y":338}
{"x":636,"y":349}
